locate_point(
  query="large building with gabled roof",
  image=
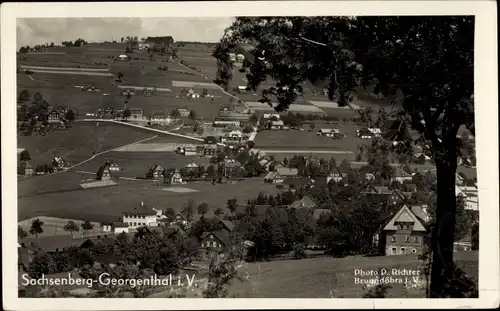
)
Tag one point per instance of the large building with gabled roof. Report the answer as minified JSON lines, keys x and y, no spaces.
{"x":404,"y":233}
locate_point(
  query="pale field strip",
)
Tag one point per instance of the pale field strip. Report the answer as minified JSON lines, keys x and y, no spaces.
{"x":179,"y":190}
{"x":152,"y":147}
{"x":65,"y":68}
{"x":202,"y":58}
{"x":327,"y":104}
{"x":158,"y":89}
{"x":47,"y":53}
{"x":195,"y":84}
{"x":98,"y":184}
{"x":293,"y":151}
{"x":106,"y":50}
{"x":83,"y":73}
{"x":293,"y":108}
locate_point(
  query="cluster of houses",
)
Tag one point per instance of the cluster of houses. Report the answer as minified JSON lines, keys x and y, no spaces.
{"x":58,"y":164}
{"x":332,"y":133}
{"x":368,"y":133}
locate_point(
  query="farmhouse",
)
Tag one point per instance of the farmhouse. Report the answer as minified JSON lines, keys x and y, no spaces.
{"x":158,"y":116}
{"x":189,"y":151}
{"x":305,"y":203}
{"x":189,"y":123}
{"x":59,"y":164}
{"x":470,"y":195}
{"x":277,"y":125}
{"x":115,"y":227}
{"x":141,"y":215}
{"x":54,"y":116}
{"x":25,"y":169}
{"x":183,"y":112}
{"x":123,"y":57}
{"x":404,"y":234}
{"x":283,"y":173}
{"x":210,"y":146}
{"x":155,"y":172}
{"x":234,"y":136}
{"x":367,"y":133}
{"x":191,"y":167}
{"x":104,"y":173}
{"x":334,"y":133}
{"x":222,"y":122}
{"x":215,"y":245}
{"x":269,"y":116}
{"x":172,"y":176}
{"x":233,"y":116}
{"x":231,"y":168}
{"x":136,"y":113}
{"x":401,"y":175}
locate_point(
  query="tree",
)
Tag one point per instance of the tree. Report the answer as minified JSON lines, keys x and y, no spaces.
{"x":122,"y":39}
{"x":36,"y":227}
{"x":202,"y":209}
{"x":232,"y":205}
{"x":120,"y":76}
{"x":312,"y":126}
{"x":175,"y":114}
{"x":41,"y":263}
{"x":428,"y":59}
{"x":126,"y":113}
{"x":71,"y":226}
{"x":21,"y":233}
{"x":192,"y":115}
{"x":87,"y":225}
{"x":24,"y":95}
{"x":25,"y":155}
{"x":218,"y":211}
{"x":70,"y":115}
{"x":189,"y":210}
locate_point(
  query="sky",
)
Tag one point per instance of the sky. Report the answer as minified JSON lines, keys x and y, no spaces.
{"x":46,"y":30}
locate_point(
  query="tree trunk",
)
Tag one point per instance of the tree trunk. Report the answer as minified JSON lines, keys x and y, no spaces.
{"x":444,"y":230}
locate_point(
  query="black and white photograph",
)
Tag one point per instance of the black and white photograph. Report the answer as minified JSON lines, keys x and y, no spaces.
{"x":268,"y":151}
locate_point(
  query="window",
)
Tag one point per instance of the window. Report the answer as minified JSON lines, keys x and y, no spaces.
{"x":407,"y":238}
{"x":393,"y":238}
{"x":214,"y":244}
{"x":394,"y":250}
{"x":135,"y":224}
{"x":415,"y":239}
{"x":414,"y":251}
{"x":403,"y":250}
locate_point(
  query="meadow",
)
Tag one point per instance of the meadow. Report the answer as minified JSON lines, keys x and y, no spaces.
{"x":299,"y":278}
{"x":79,"y":142}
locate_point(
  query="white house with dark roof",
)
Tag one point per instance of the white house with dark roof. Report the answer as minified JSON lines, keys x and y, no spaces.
{"x":141,"y":215}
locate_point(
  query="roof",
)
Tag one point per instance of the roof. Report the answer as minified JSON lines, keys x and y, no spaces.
{"x":221,"y":235}
{"x":284,"y":171}
{"x":321,"y":211}
{"x":301,"y":181}
{"x":229,"y":225}
{"x":191,"y":165}
{"x":142,"y":209}
{"x":420,"y":211}
{"x":329,"y":131}
{"x":119,"y":224}
{"x":56,"y":242}
{"x":232,"y":164}
{"x":277,"y":123}
{"x":305,"y":202}
{"x":405,"y":215}
{"x":270,"y":175}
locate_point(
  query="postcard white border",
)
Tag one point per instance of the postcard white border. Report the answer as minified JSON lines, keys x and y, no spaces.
{"x":486,"y":98}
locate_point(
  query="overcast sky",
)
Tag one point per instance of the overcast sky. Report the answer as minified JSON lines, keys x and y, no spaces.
{"x":45,"y":30}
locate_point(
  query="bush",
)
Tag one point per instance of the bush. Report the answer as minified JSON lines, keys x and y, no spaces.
{"x":299,"y":252}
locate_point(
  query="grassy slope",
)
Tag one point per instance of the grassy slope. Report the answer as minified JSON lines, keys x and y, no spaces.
{"x":331,"y":278}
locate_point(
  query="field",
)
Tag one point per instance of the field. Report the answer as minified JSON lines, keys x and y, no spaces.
{"x":299,"y":278}
{"x":275,"y":139}
{"x":103,"y":204}
{"x":79,"y":142}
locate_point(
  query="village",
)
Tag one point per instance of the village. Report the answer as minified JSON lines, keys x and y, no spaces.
{"x":131,"y":155}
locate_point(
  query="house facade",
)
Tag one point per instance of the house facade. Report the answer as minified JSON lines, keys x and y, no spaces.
{"x":104,"y":172}
{"x":136,"y":113}
{"x":333,"y":133}
{"x":282,"y":173}
{"x":155,"y":172}
{"x":141,"y":215}
{"x":25,"y":169}
{"x":404,"y":234}
{"x":173,"y":177}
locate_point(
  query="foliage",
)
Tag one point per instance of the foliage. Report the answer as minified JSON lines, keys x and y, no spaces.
{"x":71,"y":226}
{"x":25,"y":155}
{"x":21,"y":233}
{"x":126,"y":113}
{"x":24,"y":95}
{"x":70,"y":115}
{"x":299,"y":252}
{"x":41,"y":263}
{"x":36,"y":227}
{"x":87,"y":225}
